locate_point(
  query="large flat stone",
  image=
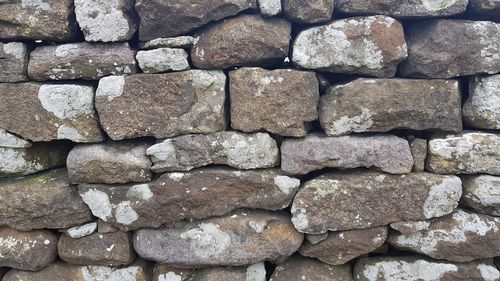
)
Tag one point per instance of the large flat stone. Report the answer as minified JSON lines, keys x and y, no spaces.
{"x":312,"y":11}
{"x":482,"y":108}
{"x":482,"y":193}
{"x":306,"y":269}
{"x":254,"y":272}
{"x":13,"y":62}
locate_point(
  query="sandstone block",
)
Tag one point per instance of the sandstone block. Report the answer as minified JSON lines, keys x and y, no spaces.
{"x":313,"y":11}
{"x":163,"y":60}
{"x":13,"y":62}
{"x":25,"y":161}
{"x":482,"y":193}
{"x":482,"y":109}
{"x":301,"y":268}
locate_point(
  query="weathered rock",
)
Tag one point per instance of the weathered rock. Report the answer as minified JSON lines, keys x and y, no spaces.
{"x":482,"y":193}
{"x":110,"y":162}
{"x":368,"y":199}
{"x":409,"y":227}
{"x":269,"y":8}
{"x":240,"y":238}
{"x":45,"y":112}
{"x":312,"y":11}
{"x":364,"y":45}
{"x":282,"y":101}
{"x":106,"y":21}
{"x":193,"y":195}
{"x":105,"y":227}
{"x":52,"y":202}
{"x":42,"y":20}
{"x":183,"y":15}
{"x":163,"y":60}
{"x":81,"y":230}
{"x":13,"y":62}
{"x":316,"y":238}
{"x":300,"y":268}
{"x":381,"y":105}
{"x":416,"y":268}
{"x":465,"y":153}
{"x":482,"y":109}
{"x":162,"y":105}
{"x":184,"y":42}
{"x":255,"y":272}
{"x":81,"y":61}
{"x":341,"y":247}
{"x":242,"y":41}
{"x":448,"y":48}
{"x":163,"y":272}
{"x":387,"y":153}
{"x":485,"y":7}
{"x":10,"y":140}
{"x":32,"y":250}
{"x":419,"y":152}
{"x":461,"y":236}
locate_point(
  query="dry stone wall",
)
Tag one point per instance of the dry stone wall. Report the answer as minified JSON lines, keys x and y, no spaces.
{"x":252,"y":140}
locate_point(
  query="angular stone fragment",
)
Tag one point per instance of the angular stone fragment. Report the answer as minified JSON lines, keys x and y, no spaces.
{"x":316,"y":238}
{"x":13,"y":62}
{"x":482,"y":109}
{"x":32,"y":250}
{"x":81,"y":230}
{"x":184,"y":42}
{"x":163,"y":60}
{"x":269,"y":8}
{"x":466,"y":153}
{"x":163,"y":272}
{"x":364,"y":45}
{"x":381,"y":105}
{"x":242,"y":151}
{"x":104,"y":227}
{"x":10,"y":140}
{"x":240,"y":238}
{"x":282,"y":101}
{"x":162,"y":105}
{"x":341,"y":247}
{"x":461,"y":236}
{"x":368,"y":199}
{"x":254,"y":272}
{"x":485,"y":7}
{"x":81,"y":61}
{"x":449,"y":48}
{"x":301,"y":268}
{"x":419,"y":152}
{"x":110,"y":162}
{"x":194,"y":195}
{"x":25,"y":161}
{"x":312,"y":11}
{"x":52,"y":202}
{"x":106,"y":21}
{"x":482,"y":193}
{"x":409,"y":227}
{"x":387,"y":153}
{"x":242,"y":41}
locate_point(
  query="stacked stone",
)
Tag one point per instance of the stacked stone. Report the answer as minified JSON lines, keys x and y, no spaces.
{"x":189,"y":140}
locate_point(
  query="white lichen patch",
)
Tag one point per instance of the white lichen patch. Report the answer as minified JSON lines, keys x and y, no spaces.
{"x":408,"y":227}
{"x":13,"y":161}
{"x":98,"y":202}
{"x":163,"y":60}
{"x":173,"y":42}
{"x":256,"y":272}
{"x":169,"y":276}
{"x":82,"y":230}
{"x":489,"y":43}
{"x":286,"y":184}
{"x":9,"y":140}
{"x":348,"y":124}
{"x":125,"y":214}
{"x":420,"y":270}
{"x":98,"y":273}
{"x":482,"y":109}
{"x":66,"y":132}
{"x":256,"y":226}
{"x":67,"y":101}
{"x":251,"y":151}
{"x":436,"y":5}
{"x":140,"y":191}
{"x":488,"y":272}
{"x":484,"y":190}
{"x":163,"y":152}
{"x":207,"y":241}
{"x":300,"y":218}
{"x":269,"y":8}
{"x":65,"y":50}
{"x":443,"y":198}
{"x":35,"y":4}
{"x":110,"y":87}
{"x":16,"y":49}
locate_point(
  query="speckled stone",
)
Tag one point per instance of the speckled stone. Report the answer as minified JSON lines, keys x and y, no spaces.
{"x":13,"y":62}
{"x":163,"y":272}
{"x":254,"y":272}
{"x":311,"y":11}
{"x":10,"y":140}
{"x":306,"y":269}
{"x":482,"y":193}
{"x":184,"y":42}
{"x":419,"y":152}
{"x":482,"y":109}
{"x":269,"y":8}
{"x":163,"y":60}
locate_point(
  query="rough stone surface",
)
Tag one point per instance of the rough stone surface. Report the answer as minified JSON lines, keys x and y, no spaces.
{"x":110,"y":162}
{"x":316,"y":238}
{"x":485,"y":7}
{"x":448,"y":48}
{"x":25,"y":161}
{"x":10,"y":140}
{"x":461,"y":236}
{"x":269,"y":8}
{"x":13,"y":62}
{"x":241,"y":238}
{"x":105,"y":227}
{"x":193,"y":195}
{"x":52,"y":202}
{"x":162,"y":105}
{"x":254,"y":272}
{"x":184,"y":42}
{"x":163,"y":272}
{"x":465,"y":153}
{"x":371,"y":46}
{"x":482,"y":109}
{"x":368,"y":199}
{"x":280,"y":101}
{"x":301,"y":268}
{"x":88,"y":61}
{"x":482,"y":193}
{"x":387,"y":153}
{"x":241,"y":151}
{"x":27,"y":250}
{"x":242,"y":41}
{"x":409,"y":227}
{"x":381,"y":105}
{"x":81,"y":230}
{"x":312,"y":11}
{"x":419,"y":152}
{"x":343,"y":246}
{"x":163,"y":60}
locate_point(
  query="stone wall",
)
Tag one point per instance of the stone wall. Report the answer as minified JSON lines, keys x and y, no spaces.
{"x":253,"y":140}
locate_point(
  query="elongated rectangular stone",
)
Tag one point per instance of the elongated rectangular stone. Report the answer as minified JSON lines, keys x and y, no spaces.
{"x":13,"y":62}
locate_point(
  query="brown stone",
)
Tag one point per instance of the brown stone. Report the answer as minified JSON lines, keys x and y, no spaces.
{"x":13,"y":62}
{"x":312,"y":11}
{"x":301,"y":268}
{"x":482,"y":193}
{"x":255,"y":272}
{"x":163,"y":272}
{"x":419,"y":152}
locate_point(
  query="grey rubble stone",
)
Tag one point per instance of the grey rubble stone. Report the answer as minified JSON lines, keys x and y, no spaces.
{"x":162,"y":105}
{"x":81,"y":230}
{"x":110,"y":162}
{"x":312,"y":11}
{"x":381,"y":105}
{"x":269,"y":8}
{"x":482,"y":193}
{"x":254,"y":272}
{"x":184,"y":42}
{"x":193,"y":195}
{"x":371,"y":46}
{"x":466,"y":153}
{"x":240,"y":238}
{"x":13,"y":62}
{"x":105,"y":20}
{"x":10,"y":140}
{"x":365,"y":199}
{"x":52,"y":202}
{"x":88,"y":61}
{"x":409,"y":227}
{"x":183,"y":15}
{"x":238,"y":150}
{"x":301,"y":268}
{"x":105,"y":227}
{"x":482,"y":109}
{"x":162,"y":60}
{"x":445,"y":48}
{"x":419,"y":152}
{"x":32,"y":250}
{"x":163,"y":272}
{"x":461,"y":236}
{"x":485,"y":7}
{"x":387,"y":153}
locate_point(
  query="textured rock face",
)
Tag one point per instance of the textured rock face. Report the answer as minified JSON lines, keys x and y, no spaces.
{"x":280,"y":101}
{"x":183,"y":16}
{"x":163,"y":60}
{"x":419,"y":152}
{"x":184,"y":42}
{"x":371,"y":46}
{"x":242,"y":151}
{"x":197,"y":195}
{"x":312,"y":11}
{"x":485,"y":7}
{"x":465,"y":153}
{"x":162,"y":105}
{"x":111,"y":162}
{"x":432,"y":54}
{"x":269,"y":8}
{"x":25,"y":161}
{"x":13,"y":62}
{"x":255,"y":272}
{"x":27,"y":250}
{"x":163,"y":272}
{"x":52,"y":203}
{"x":461,"y":236}
{"x":12,"y":141}
{"x":81,"y":230}
{"x":300,"y":268}
{"x":482,"y":109}
{"x":409,"y":227}
{"x":482,"y":193}
{"x":365,"y":199}
{"x":45,"y":112}
{"x":387,"y":153}
{"x":81,"y":61}
{"x":242,"y":41}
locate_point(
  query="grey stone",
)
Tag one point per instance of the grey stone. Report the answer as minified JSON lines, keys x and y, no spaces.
{"x":163,"y":60}
{"x":419,"y":152}
{"x":254,"y":272}
{"x":482,"y":108}
{"x":13,"y":62}
{"x":163,"y":272}
{"x":485,"y":7}
{"x":184,"y":42}
{"x":301,"y":268}
{"x":269,"y":8}
{"x":312,"y":11}
{"x":81,"y":230}
{"x":482,"y":193}
{"x":105,"y":227}
{"x":10,"y":140}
